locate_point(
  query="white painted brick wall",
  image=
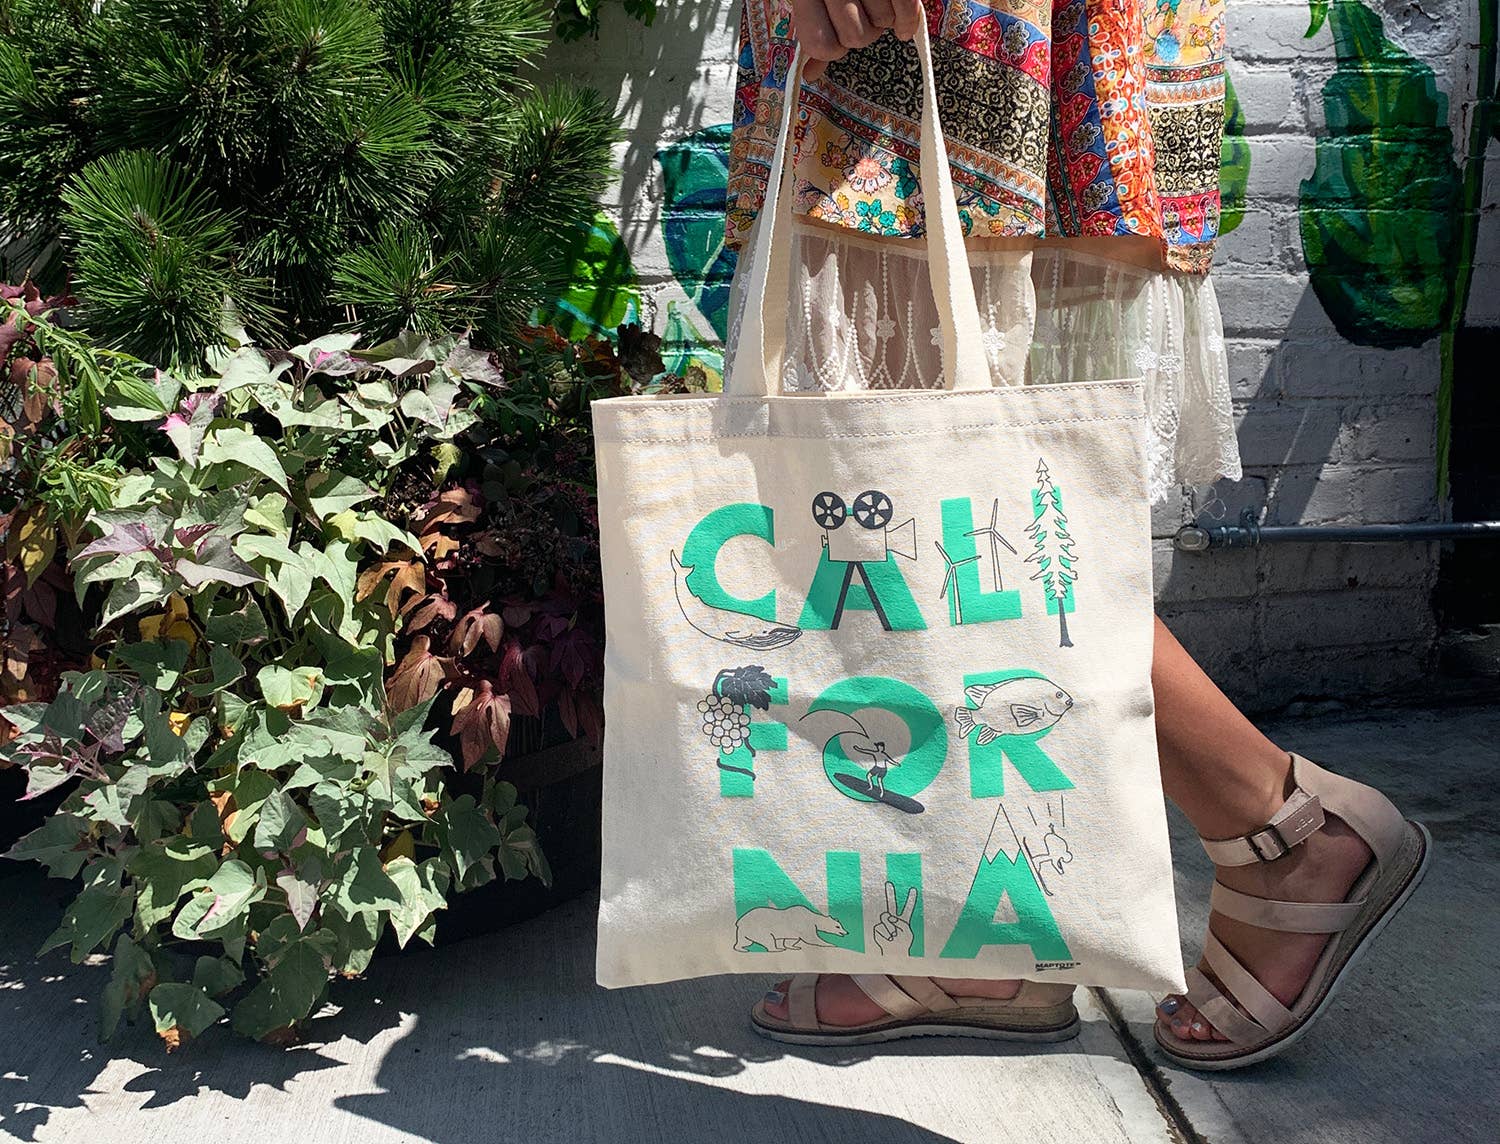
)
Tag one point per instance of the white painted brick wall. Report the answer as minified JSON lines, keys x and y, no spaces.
{"x":1331,"y":432}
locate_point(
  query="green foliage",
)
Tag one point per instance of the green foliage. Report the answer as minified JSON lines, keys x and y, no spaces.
{"x":387,"y":164}
{"x":63,"y":457}
{"x":141,"y":225}
{"x":251,"y":809}
{"x":602,"y":293}
{"x":575,"y":19}
{"x":60,"y":386}
{"x":504,"y":640}
{"x":1378,"y":213}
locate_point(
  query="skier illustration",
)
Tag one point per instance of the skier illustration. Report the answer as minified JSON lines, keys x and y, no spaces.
{"x":1054,"y":855}
{"x":875,"y":776}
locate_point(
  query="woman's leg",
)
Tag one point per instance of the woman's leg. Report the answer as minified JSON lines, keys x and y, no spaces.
{"x":1229,"y":779}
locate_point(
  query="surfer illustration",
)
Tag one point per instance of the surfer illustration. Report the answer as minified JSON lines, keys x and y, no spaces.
{"x":875,"y":776}
{"x":845,"y":736}
{"x":1024,"y":706}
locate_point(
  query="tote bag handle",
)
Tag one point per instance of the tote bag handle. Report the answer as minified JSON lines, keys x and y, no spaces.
{"x":763,"y":329}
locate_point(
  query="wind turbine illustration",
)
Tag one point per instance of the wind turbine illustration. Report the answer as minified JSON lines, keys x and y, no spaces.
{"x":950,"y":580}
{"x":996,"y":540}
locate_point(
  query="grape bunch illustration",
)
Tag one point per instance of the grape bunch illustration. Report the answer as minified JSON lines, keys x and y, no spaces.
{"x":725,"y":722}
{"x":726,"y":709}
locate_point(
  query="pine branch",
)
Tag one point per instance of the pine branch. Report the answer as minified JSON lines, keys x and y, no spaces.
{"x":322,"y":51}
{"x":561,"y":160}
{"x":44,"y":136}
{"x":155,"y":259}
{"x":492,"y":40}
{"x":398,"y":282}
{"x":514,"y":267}
{"x":293,"y":145}
{"x":187,"y":81}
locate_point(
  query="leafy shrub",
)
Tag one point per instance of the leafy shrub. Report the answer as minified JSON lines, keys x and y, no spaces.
{"x":388,"y":164}
{"x":59,"y":457}
{"x":509,"y":619}
{"x":254,"y":804}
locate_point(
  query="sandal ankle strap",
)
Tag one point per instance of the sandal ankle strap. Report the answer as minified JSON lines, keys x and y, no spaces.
{"x":1299,"y":817}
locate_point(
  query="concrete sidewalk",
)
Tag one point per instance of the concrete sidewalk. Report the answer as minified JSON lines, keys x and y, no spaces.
{"x":505,"y":1038}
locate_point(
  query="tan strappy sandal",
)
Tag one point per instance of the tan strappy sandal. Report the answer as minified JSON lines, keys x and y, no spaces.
{"x":1257,"y":1024}
{"x":918,"y":1008}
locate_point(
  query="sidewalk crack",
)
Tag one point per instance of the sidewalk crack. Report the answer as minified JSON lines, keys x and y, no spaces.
{"x":1171,"y":1110}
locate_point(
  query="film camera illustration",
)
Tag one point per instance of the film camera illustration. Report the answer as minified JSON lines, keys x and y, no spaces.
{"x":868,"y":538}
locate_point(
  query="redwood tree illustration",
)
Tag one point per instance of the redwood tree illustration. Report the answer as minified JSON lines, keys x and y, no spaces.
{"x":1052,"y":547}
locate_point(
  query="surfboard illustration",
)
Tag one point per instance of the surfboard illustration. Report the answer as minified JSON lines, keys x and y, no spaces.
{"x":860,"y":784}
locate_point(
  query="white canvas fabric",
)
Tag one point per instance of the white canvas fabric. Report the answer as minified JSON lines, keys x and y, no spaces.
{"x":862,"y":317}
{"x":877,"y":674}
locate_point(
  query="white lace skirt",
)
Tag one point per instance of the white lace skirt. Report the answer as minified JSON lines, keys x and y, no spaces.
{"x":863,"y":317}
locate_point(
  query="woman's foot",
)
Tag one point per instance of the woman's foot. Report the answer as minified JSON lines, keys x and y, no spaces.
{"x":1322,"y":869}
{"x":842,"y":1003}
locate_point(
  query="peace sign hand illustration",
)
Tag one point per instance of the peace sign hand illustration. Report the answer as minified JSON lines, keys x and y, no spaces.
{"x":893,"y":933}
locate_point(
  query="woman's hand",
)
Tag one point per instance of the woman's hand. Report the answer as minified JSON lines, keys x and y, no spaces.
{"x":827,"y":29}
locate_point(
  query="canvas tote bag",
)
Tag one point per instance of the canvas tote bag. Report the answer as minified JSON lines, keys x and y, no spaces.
{"x":877,"y":676}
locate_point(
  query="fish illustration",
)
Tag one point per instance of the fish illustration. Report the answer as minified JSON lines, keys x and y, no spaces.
{"x":1011,"y":707}
{"x":725,"y":624}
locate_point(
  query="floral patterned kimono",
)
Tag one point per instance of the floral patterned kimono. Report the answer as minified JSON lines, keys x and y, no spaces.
{"x":1084,"y":140}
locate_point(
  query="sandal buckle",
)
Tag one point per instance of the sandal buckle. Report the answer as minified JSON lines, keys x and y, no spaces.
{"x":1301,"y":817}
{"x":1258,"y":840}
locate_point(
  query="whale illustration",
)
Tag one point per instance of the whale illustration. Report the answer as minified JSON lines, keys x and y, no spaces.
{"x":724,"y":624}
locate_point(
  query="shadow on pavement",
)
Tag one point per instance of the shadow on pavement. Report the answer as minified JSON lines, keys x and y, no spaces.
{"x":497,"y":1038}
{"x":505,"y":1037}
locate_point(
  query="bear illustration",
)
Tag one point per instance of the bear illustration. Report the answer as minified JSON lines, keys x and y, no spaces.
{"x":779,"y":930}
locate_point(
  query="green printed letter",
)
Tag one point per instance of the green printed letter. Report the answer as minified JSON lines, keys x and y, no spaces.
{"x":701,"y":555}
{"x":987,"y":760}
{"x":764,"y":736}
{"x":997,"y":878}
{"x":761,"y":884}
{"x":843,"y":581}
{"x":968,"y":601}
{"x":928,"y":734}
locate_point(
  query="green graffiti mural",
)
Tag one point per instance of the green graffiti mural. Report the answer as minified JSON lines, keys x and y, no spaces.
{"x":1389,"y":219}
{"x":1234,"y":162}
{"x":1377,"y":214}
{"x":603,"y":293}
{"x":687,"y":351}
{"x":695,"y":171}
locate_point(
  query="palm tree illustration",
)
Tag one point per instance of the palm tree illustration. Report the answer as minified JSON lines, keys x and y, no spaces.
{"x":1052,"y":548}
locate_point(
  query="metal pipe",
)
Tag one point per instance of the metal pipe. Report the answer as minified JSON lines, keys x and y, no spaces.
{"x":1249,"y":533}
